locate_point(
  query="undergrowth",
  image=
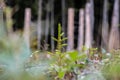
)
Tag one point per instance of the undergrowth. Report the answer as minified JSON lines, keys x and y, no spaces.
{"x":87,"y":64}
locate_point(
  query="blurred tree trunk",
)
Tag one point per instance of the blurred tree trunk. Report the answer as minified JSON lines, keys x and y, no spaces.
{"x":27,"y":22}
{"x":52,"y":25}
{"x":105,"y":26}
{"x":88,"y":29}
{"x":92,"y":20}
{"x":63,"y":16}
{"x":2,"y":26}
{"x":63,"y":4}
{"x":92,"y":15}
{"x":70,"y":31}
{"x":9,"y":22}
{"x":114,"y":40}
{"x":39,"y":27}
{"x":81,"y":29}
{"x":47,"y":21}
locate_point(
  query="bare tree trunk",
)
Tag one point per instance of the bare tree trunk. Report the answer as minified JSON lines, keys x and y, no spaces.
{"x":105,"y":26}
{"x":88,"y":30}
{"x":92,"y":19}
{"x":39,"y":23}
{"x":63,"y":17}
{"x":2,"y":26}
{"x":114,"y":40}
{"x":70,"y":32}
{"x":52,"y":25}
{"x":47,"y":21}
{"x":27,"y":26}
{"x":47,"y":27}
{"x":63,"y":4}
{"x":81,"y":29}
{"x":92,"y":15}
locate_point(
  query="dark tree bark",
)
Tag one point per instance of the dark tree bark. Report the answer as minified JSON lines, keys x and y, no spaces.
{"x":52,"y":25}
{"x":47,"y":26}
{"x":63,"y":16}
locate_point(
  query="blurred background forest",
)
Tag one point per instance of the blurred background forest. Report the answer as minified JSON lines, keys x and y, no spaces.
{"x":93,"y":23}
{"x":33,"y":47}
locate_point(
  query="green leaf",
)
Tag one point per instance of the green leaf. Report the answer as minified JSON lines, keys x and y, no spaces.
{"x":64,"y":45}
{"x":64,"y":39}
{"x":56,"y":67}
{"x":50,"y":53}
{"x":61,"y":74}
{"x":73,"y":55}
{"x":59,"y":29}
{"x":84,"y":48}
{"x":62,"y":34}
{"x":82,"y":56}
{"x":54,"y":39}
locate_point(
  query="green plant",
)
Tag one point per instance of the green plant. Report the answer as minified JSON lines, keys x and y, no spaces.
{"x":65,"y":64}
{"x":58,"y":55}
{"x":111,"y":69}
{"x":60,"y":39}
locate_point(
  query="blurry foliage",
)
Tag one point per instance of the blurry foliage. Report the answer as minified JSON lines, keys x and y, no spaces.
{"x":9,"y":21}
{"x":12,"y":57}
{"x":17,"y":64}
{"x":111,"y":69}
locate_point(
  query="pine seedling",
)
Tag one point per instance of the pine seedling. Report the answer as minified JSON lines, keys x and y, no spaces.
{"x":60,"y":39}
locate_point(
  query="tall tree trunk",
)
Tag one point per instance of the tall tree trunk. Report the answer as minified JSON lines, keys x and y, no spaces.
{"x":88,"y":29}
{"x":27,"y":26}
{"x":105,"y":26}
{"x":81,"y":29}
{"x":39,"y":23}
{"x":92,"y":19}
{"x":63,"y":16}
{"x":92,"y":15}
{"x":47,"y":21}
{"x":9,"y":23}
{"x":114,"y":40}
{"x":2,"y":26}
{"x":63,"y":4}
{"x":70,"y":32}
{"x":52,"y":25}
